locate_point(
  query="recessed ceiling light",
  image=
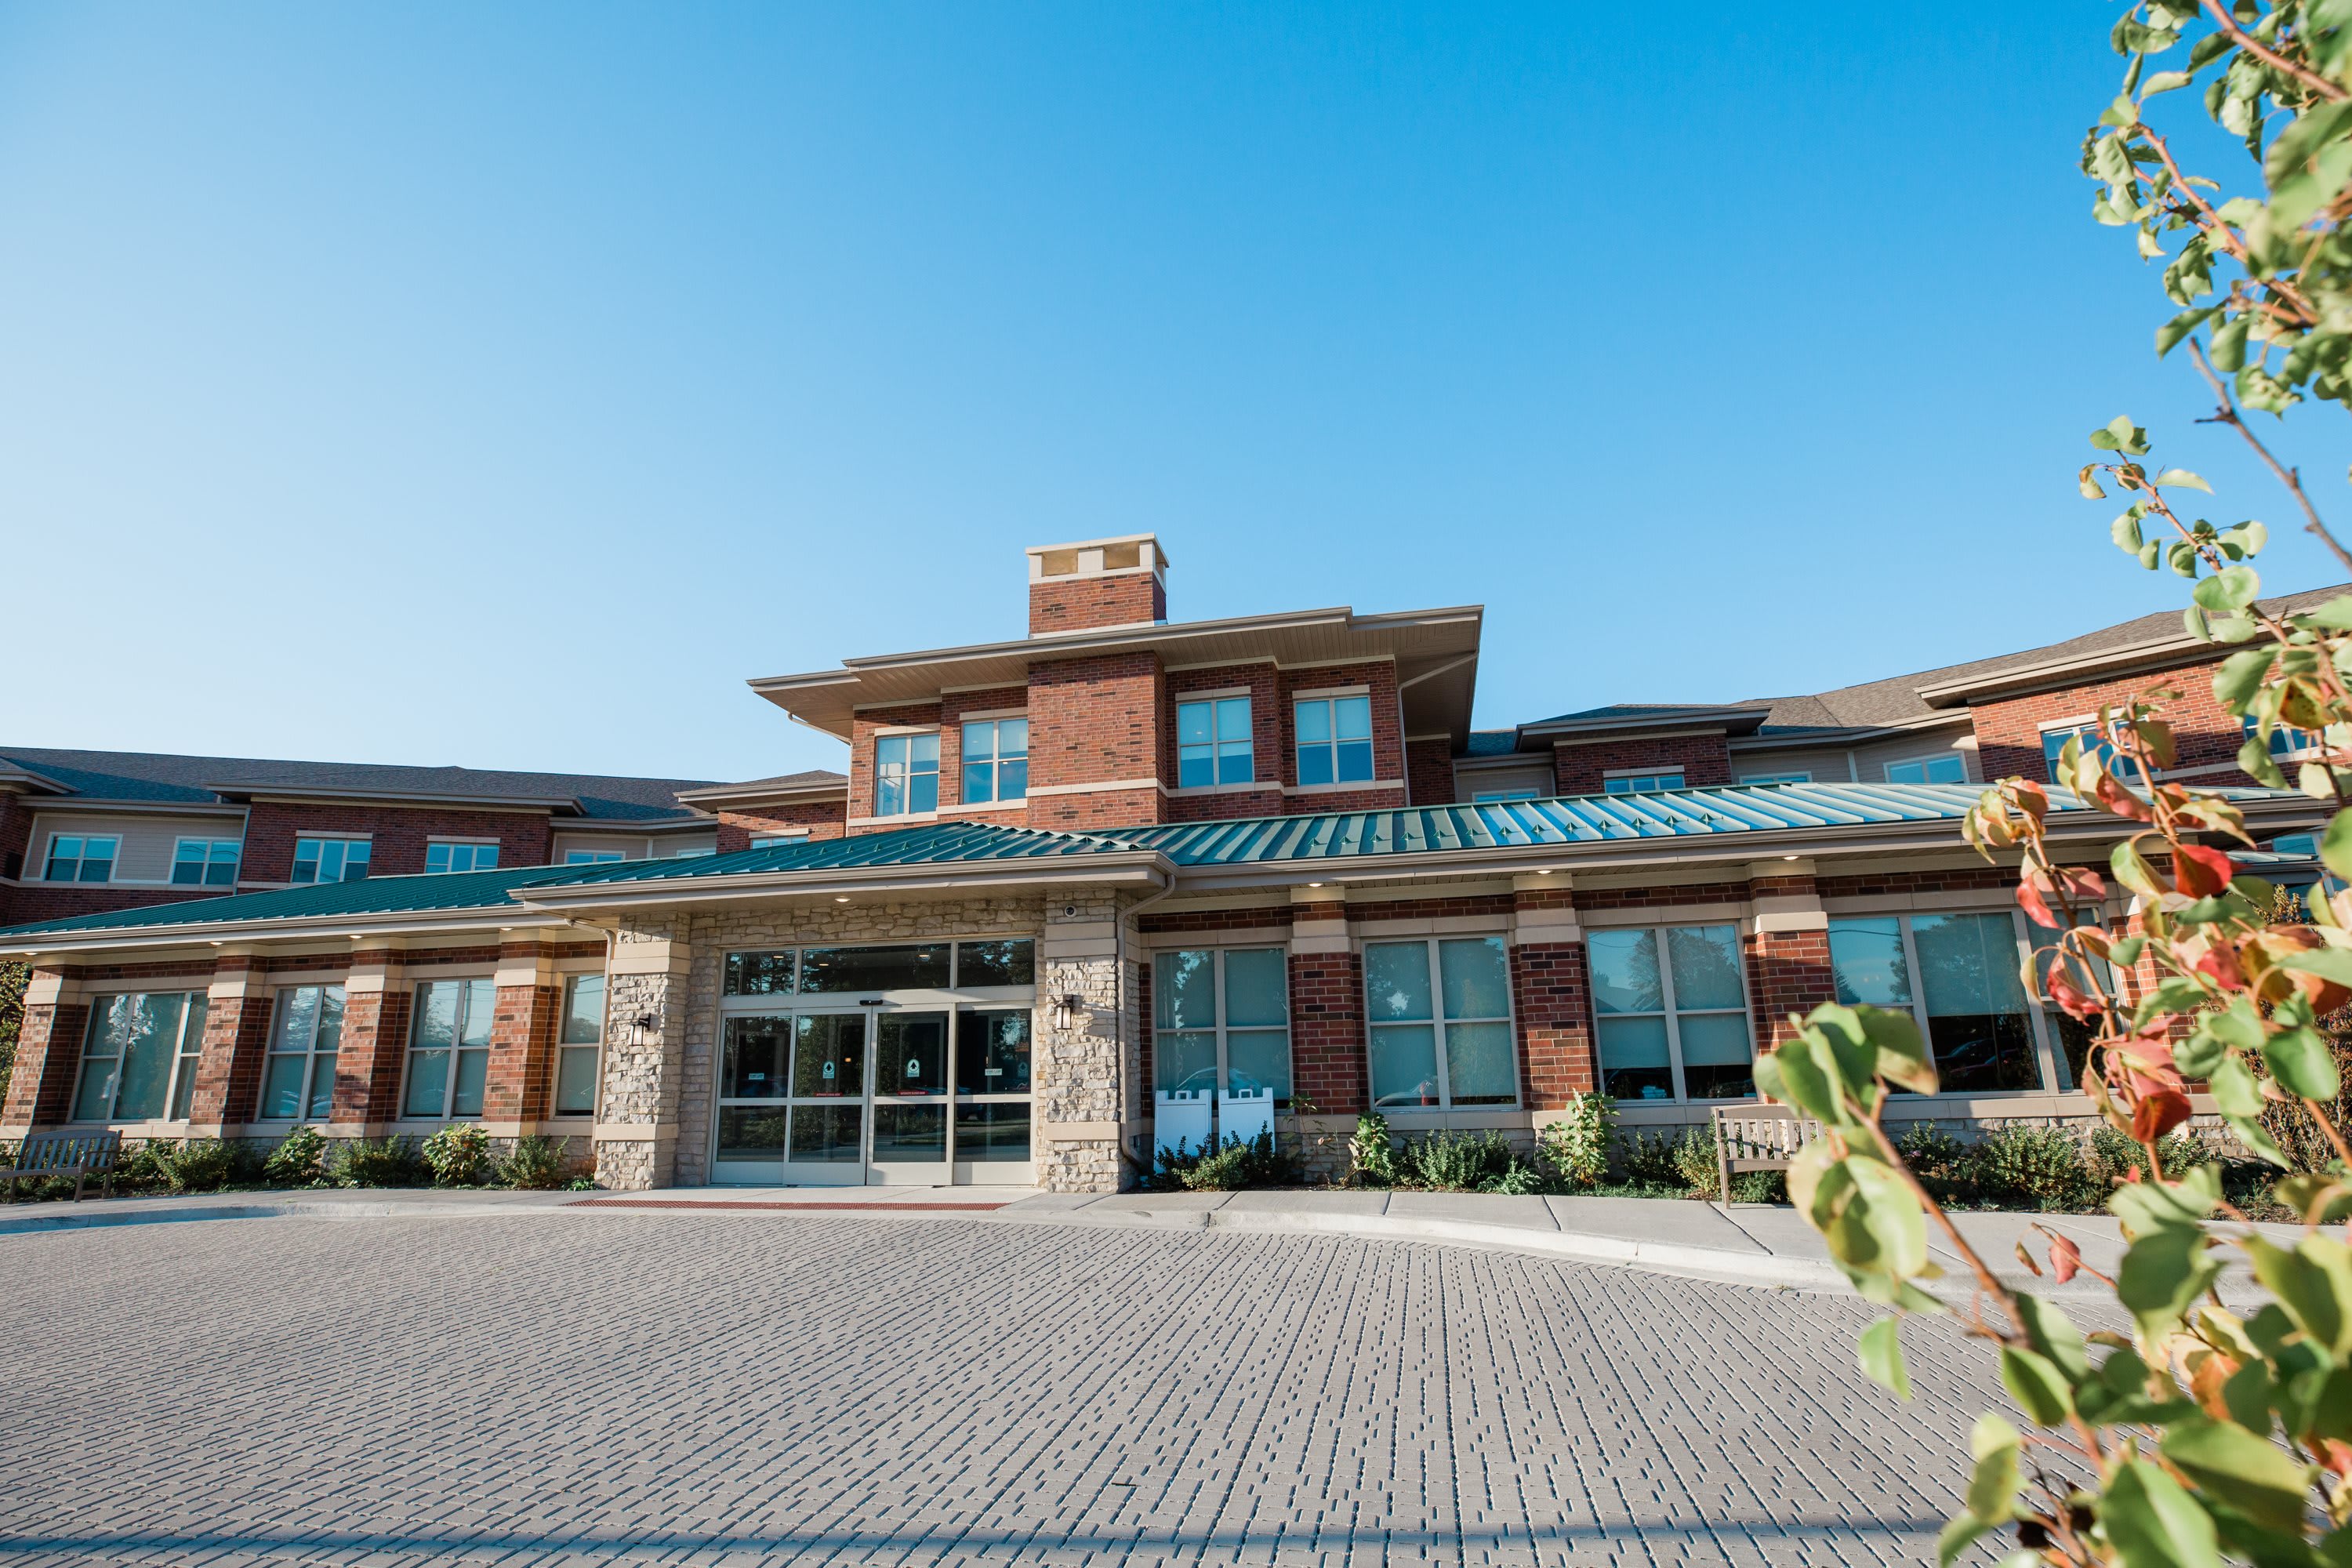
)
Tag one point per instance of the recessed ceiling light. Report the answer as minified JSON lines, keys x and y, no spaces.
{"x":1788,"y":857}
{"x":842,"y":899}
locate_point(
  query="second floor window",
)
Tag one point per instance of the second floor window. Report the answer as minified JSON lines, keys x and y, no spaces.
{"x":1213,"y":742}
{"x":1776,"y":778}
{"x":2287,"y":740}
{"x":592,"y":856}
{"x":204,"y":863}
{"x":330,"y":860}
{"x":2053,"y":741}
{"x":995,"y":760}
{"x":1643,"y":784}
{"x":1947,"y":769}
{"x":1335,"y":740}
{"x":80,"y":859}
{"x":906,"y":775}
{"x":440,"y":858}
{"x":1524,"y":792}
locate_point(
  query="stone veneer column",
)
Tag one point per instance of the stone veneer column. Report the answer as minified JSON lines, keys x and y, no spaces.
{"x":1550,"y":992}
{"x":236,"y":1038}
{"x":522,"y":1034}
{"x":645,"y":1050}
{"x":1791,"y":969}
{"x":375,"y":1033}
{"x":1084,"y":1068}
{"x":48,"y":1049}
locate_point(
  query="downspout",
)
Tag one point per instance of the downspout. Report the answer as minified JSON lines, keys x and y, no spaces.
{"x":610,"y":934}
{"x":1119,"y":1014}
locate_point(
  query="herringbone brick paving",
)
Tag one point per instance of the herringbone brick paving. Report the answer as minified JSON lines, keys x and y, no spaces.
{"x":682,"y":1387}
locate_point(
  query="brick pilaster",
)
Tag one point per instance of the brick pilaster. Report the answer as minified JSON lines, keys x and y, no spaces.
{"x":48,"y":1049}
{"x":1328,"y":1047}
{"x":1789,"y":960}
{"x":522,"y":1035}
{"x":1550,"y":992}
{"x":375,"y":1033}
{"x":236,"y":1038}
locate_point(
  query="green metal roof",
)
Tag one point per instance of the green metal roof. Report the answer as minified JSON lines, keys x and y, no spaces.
{"x":1565,"y":821}
{"x":373,"y":896}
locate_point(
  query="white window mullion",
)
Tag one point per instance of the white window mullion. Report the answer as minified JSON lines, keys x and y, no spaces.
{"x":1437,"y":1024}
{"x":1916,"y":983}
{"x":1674,"y":1029}
{"x":2044,"y":1040}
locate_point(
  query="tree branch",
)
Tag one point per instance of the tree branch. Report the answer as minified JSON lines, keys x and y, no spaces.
{"x":2227,"y":414}
{"x":2246,"y":41}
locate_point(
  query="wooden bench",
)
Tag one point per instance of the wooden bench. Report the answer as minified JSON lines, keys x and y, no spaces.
{"x":80,"y":1155}
{"x":1757,"y":1138}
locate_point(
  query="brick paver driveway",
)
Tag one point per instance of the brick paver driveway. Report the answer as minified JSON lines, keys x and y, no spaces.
{"x":691,"y":1387}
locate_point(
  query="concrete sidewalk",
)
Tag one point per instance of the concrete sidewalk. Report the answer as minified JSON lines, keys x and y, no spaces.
{"x":1746,"y":1244}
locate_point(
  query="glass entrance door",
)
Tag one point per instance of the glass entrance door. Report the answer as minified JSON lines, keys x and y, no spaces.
{"x":791,"y":1101}
{"x":910,"y":1099}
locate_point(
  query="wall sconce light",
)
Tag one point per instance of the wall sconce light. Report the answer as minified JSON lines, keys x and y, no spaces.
{"x":1068,"y":1009}
{"x":643,"y":1024}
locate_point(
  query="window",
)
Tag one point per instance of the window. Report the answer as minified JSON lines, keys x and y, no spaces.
{"x":2070,"y":1036}
{"x":441,"y":857}
{"x":1221,"y":1020}
{"x":905,"y":774}
{"x":1676,"y":1031}
{"x":205,"y":862}
{"x":992,"y":1062}
{"x":298,"y":1083}
{"x":995,"y":760}
{"x":1335,"y":740}
{"x":1798,"y":777}
{"x":1525,"y":792}
{"x":578,"y":1042}
{"x":449,"y":1047}
{"x":2094,"y":742}
{"x":866,"y":971}
{"x":1643,"y":784}
{"x":1958,"y":975}
{"x":139,"y":1057}
{"x":696,"y":852}
{"x":331,"y":859}
{"x":78,"y":859}
{"x":1946,"y":769}
{"x":1212,"y":743}
{"x":2287,"y":740}
{"x":1440,"y":1022}
{"x":592,"y":856}
{"x":770,"y":840}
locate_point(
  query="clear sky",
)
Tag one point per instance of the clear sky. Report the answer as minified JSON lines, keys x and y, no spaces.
{"x":503,"y":384}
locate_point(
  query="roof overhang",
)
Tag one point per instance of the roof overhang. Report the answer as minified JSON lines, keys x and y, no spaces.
{"x":1145,"y":866}
{"x":1830,"y":737}
{"x":14,"y":780}
{"x":719,"y":797}
{"x":1435,"y":652}
{"x":560,"y":805}
{"x":2016,"y":680}
{"x":1737,"y":720}
{"x":321,"y":928}
{"x":141,"y":808}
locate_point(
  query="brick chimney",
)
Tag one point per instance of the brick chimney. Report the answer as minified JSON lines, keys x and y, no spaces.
{"x":1097,"y":583}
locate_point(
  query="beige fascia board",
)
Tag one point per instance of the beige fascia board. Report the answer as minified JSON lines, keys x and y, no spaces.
{"x":1696,"y":722}
{"x":721,"y":798}
{"x":405,"y":922}
{"x":47,"y":805}
{"x":2021,"y":679}
{"x":1836,"y":739}
{"x":299,"y":794}
{"x":700,"y":822}
{"x":1142,"y":865}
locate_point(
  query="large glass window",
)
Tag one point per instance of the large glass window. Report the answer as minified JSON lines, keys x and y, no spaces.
{"x":2287,"y":740}
{"x":444,"y":857}
{"x":995,"y":760}
{"x":1676,"y":1030}
{"x":1440,"y":1014}
{"x":1335,"y":740}
{"x":2072,"y":1036}
{"x":204,"y":863}
{"x":1222,"y":1016}
{"x":449,"y":1047}
{"x":298,"y":1083}
{"x":80,"y":858}
{"x":1946,"y":769}
{"x":1958,"y":973}
{"x":905,"y":774}
{"x":1213,"y":742}
{"x":1642,"y":783}
{"x":139,"y":1057}
{"x":331,"y":860}
{"x":579,"y":1044}
{"x":872,"y":970}
{"x":2095,"y":742}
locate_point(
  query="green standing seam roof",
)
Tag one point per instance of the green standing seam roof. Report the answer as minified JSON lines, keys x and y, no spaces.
{"x":1564,"y":821}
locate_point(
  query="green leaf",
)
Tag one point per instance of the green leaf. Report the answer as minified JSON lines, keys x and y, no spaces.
{"x":2229,"y":352}
{"x":1880,"y":1353}
{"x":2153,"y":1521}
{"x":2054,"y":1337}
{"x":2168,"y":335}
{"x":2162,"y":1274}
{"x":2336,"y":616}
{"x":2251,"y":1474}
{"x":2235,"y":1090}
{"x":2312,"y":1283}
{"x":2241,"y":676}
{"x":2036,"y":1385}
{"x":2162,"y":81}
{"x":2184,"y":478}
{"x":2231,"y":588}
{"x":2336,"y":844}
{"x":1903,"y":1058}
{"x":1992,"y":1489}
{"x":2300,"y":1058}
{"x":1958,"y":1537}
{"x":2254,"y":760}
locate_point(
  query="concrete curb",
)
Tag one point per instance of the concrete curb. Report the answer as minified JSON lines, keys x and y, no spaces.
{"x":96,"y":1216}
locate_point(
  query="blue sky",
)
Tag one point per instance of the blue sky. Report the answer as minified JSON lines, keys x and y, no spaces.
{"x":502,"y":386}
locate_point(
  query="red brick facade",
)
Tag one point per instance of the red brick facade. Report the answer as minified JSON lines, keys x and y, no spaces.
{"x":1550,"y":993}
{"x":2009,"y":729}
{"x":1702,"y":759}
{"x":1429,"y":773}
{"x":397,"y":836}
{"x":1326,"y":1032}
{"x":1077,"y":604}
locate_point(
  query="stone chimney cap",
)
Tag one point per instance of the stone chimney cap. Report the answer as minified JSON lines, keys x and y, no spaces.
{"x":1137,"y":553}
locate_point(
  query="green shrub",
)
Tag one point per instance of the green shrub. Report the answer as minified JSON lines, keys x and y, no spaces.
{"x":535,"y":1164}
{"x":378,"y":1163}
{"x":1647,"y":1159}
{"x":580,"y":1184}
{"x":1944,"y":1163}
{"x":300,"y":1161}
{"x":458,"y":1154}
{"x":1576,"y":1145}
{"x":2115,"y":1155}
{"x":1371,"y":1153}
{"x":2027,"y":1167}
{"x":1694,"y":1162}
{"x":1231,"y":1167}
{"x":197,"y":1165}
{"x":1458,"y":1162}
{"x":249,"y":1162}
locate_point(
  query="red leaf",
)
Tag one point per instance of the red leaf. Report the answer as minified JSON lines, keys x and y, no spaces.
{"x":2158,"y":1114}
{"x":2199,"y":871}
{"x":2110,"y":793}
{"x":2065,"y":1258}
{"x":2072,"y":999}
{"x":2030,"y":899}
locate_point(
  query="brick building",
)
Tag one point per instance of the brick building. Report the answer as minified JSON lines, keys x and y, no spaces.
{"x":1119,"y":881}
